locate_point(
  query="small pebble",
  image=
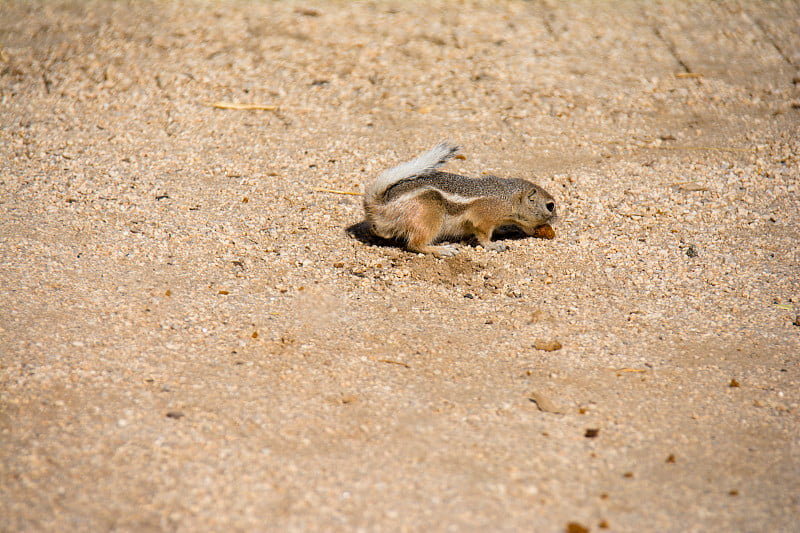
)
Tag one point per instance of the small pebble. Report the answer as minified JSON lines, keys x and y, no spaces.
{"x":547,"y":345}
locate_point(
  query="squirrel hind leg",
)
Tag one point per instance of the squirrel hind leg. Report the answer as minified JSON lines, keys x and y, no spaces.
{"x":424,"y":222}
{"x":418,"y":220}
{"x":421,"y":219}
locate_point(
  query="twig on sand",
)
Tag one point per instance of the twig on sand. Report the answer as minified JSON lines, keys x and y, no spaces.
{"x":234,"y":105}
{"x":393,"y":362}
{"x":706,"y":148}
{"x":334,"y":191}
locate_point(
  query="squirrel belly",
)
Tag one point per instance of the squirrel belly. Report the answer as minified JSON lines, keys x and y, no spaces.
{"x":421,"y":205}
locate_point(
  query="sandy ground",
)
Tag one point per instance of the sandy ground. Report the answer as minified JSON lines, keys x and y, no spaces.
{"x":194,"y":337}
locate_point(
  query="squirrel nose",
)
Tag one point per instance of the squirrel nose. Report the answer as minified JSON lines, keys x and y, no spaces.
{"x":550,"y":206}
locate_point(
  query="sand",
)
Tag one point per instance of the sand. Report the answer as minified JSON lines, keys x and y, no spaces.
{"x":196,"y":334}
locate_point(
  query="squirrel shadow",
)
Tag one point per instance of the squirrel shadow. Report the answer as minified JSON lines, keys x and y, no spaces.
{"x":360,"y":231}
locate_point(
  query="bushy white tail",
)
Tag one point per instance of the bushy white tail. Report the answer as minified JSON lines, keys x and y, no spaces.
{"x":421,"y":166}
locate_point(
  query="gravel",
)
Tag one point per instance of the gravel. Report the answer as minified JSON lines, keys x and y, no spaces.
{"x":196,"y":333}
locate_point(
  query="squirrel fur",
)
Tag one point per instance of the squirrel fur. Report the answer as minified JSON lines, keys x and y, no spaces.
{"x":419,"y":204}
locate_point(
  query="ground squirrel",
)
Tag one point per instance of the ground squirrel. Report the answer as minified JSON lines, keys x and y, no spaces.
{"x":419,"y":204}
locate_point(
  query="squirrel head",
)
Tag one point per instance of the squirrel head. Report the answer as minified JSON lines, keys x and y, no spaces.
{"x":533,"y":207}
